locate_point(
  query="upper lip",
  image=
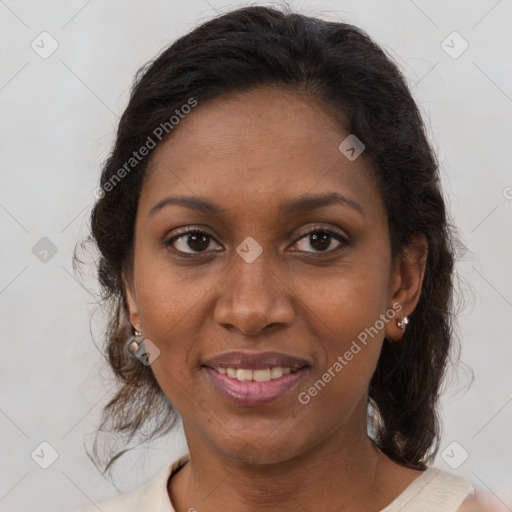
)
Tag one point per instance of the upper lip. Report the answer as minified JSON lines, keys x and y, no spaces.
{"x":255,"y":361}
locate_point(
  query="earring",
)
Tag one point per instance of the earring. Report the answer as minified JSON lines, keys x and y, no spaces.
{"x":402,"y":323}
{"x":135,"y":344}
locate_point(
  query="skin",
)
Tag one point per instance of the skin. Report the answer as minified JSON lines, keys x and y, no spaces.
{"x":250,"y":153}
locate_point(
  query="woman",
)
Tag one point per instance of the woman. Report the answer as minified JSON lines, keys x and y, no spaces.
{"x":276,"y":251}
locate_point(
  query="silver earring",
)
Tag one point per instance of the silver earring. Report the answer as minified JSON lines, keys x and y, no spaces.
{"x":402,"y":323}
{"x":135,"y":344}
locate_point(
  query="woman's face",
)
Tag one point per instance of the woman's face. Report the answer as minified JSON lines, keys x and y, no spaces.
{"x":255,"y":280}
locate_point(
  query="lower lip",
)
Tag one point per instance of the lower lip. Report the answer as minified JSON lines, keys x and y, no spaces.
{"x":248,"y":392}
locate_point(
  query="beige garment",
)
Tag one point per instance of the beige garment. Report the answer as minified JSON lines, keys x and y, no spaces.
{"x":433,"y":491}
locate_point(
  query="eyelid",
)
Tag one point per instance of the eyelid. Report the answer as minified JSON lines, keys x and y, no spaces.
{"x":319,"y":227}
{"x":193,"y":229}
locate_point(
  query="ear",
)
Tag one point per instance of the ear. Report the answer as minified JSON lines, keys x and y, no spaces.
{"x":131,"y":301}
{"x":406,"y":282}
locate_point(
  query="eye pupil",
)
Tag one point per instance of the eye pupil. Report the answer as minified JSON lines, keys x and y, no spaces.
{"x":199,"y":239}
{"x":322,"y":240}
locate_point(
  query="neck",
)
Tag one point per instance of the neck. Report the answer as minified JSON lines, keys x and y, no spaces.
{"x":343,"y":470}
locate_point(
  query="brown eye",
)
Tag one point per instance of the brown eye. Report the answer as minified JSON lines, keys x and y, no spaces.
{"x":191,"y":241}
{"x":321,"y":240}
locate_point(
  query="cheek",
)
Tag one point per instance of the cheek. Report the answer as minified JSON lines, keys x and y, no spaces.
{"x":167,"y":293}
{"x":169,"y":303}
{"x":348,"y":350}
{"x":346,"y":300}
{"x":344,"y":312}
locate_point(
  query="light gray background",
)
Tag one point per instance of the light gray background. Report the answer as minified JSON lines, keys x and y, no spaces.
{"x":58,"y":120}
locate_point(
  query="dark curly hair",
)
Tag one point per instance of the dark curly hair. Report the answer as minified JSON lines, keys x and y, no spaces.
{"x":352,"y":78}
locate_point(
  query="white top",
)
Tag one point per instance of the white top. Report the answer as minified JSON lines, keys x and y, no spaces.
{"x":434,"y":490}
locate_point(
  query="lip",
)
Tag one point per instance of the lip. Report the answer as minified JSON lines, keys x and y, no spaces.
{"x":255,"y":360}
{"x":252,"y":392}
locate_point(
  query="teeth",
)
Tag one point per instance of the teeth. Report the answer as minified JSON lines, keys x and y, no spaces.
{"x":244,"y":374}
{"x":262,"y":375}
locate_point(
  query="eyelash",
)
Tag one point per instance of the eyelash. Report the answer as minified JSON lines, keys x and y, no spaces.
{"x":195,"y":231}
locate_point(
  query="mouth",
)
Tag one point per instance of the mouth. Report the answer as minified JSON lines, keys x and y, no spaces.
{"x":250,"y":387}
{"x":255,"y":378}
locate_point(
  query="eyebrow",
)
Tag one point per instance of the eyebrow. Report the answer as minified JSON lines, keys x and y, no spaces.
{"x":299,"y":204}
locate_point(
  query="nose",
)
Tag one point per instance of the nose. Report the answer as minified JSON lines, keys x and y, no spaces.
{"x":253,"y":298}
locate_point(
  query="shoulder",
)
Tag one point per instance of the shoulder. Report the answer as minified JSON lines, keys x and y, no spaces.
{"x":151,"y":496}
{"x":470,"y":504}
{"x":126,"y":502}
{"x":434,"y":490}
{"x":481,"y":502}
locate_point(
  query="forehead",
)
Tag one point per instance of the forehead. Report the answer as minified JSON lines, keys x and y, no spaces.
{"x":253,"y":148}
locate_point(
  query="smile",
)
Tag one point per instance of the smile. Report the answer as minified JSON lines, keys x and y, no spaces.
{"x":254,"y":387}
